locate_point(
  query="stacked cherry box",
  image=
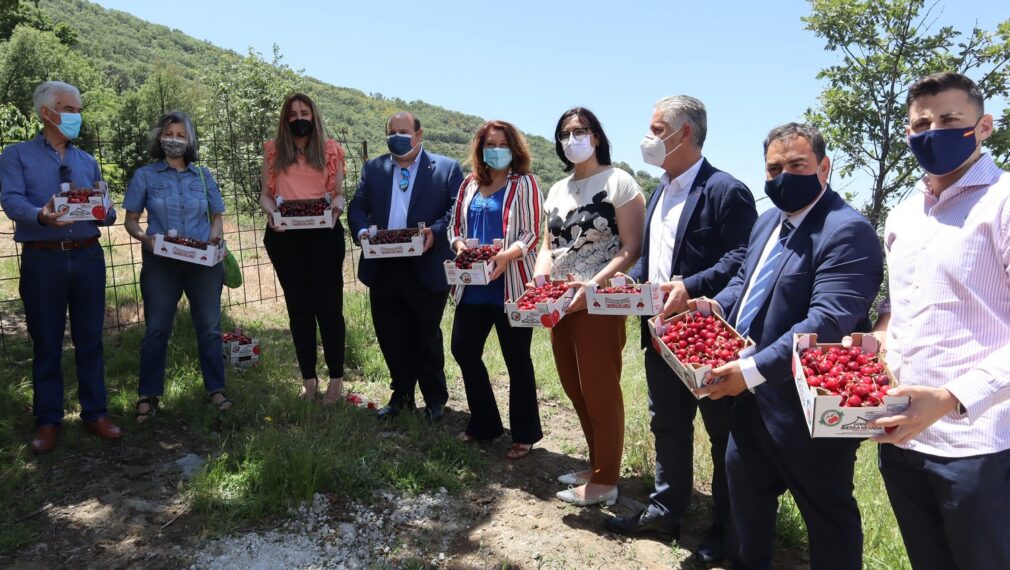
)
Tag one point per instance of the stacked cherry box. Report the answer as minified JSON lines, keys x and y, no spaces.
{"x":82,"y":204}
{"x":842,"y":388}
{"x":408,"y":242}
{"x":473,"y":265}
{"x":303,"y":214}
{"x":543,"y":306}
{"x":239,"y":349}
{"x":623,"y":296}
{"x":188,"y":249}
{"x":696,"y":341}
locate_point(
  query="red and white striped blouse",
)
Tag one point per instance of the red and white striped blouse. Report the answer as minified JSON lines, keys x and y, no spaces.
{"x":522,"y":224}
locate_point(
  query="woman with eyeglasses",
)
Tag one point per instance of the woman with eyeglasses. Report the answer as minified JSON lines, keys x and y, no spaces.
{"x":178,"y":195}
{"x":498,"y":200}
{"x":301,"y":163}
{"x":595,"y":218}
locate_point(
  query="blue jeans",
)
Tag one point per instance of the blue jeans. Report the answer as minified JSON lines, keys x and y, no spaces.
{"x":162,"y":283}
{"x":52,"y":281}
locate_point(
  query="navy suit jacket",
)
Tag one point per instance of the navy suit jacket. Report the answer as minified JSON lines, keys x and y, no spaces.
{"x":712,"y":235}
{"x":828,"y":276}
{"x":435,"y":187}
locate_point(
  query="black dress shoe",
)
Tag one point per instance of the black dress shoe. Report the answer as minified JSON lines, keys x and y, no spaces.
{"x":645,"y":523}
{"x":393,"y":409}
{"x":713,"y":546}
{"x":434,"y":414}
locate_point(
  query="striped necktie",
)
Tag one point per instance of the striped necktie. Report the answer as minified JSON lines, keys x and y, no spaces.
{"x":759,"y":289}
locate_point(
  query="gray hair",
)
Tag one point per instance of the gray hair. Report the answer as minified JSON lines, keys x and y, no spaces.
{"x":174,"y":118}
{"x":680,"y":109}
{"x":45,"y":94}
{"x":790,"y":131}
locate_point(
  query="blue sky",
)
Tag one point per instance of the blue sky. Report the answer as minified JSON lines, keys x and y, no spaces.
{"x":752,"y":63}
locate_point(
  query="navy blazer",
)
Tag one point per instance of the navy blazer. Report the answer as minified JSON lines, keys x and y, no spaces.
{"x":829,"y":275}
{"x":712,"y":235}
{"x":435,"y":186}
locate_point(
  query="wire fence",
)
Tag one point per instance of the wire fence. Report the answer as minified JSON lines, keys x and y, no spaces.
{"x":236,"y":165}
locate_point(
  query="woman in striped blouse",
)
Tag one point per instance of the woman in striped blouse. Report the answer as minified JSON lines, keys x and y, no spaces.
{"x":499,"y":200}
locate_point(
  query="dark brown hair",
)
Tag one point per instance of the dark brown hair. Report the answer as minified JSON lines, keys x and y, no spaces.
{"x":284,"y":141}
{"x":516,"y":141}
{"x":939,"y":82}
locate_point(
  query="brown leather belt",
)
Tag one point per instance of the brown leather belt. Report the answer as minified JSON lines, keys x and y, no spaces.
{"x":60,"y":245}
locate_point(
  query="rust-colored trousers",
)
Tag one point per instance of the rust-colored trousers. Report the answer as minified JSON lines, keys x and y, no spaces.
{"x":587,"y":351}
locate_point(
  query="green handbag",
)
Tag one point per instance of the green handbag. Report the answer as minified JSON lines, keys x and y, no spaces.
{"x":232,"y":271}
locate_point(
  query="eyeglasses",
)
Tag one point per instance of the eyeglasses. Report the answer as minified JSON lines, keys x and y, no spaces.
{"x":404,"y":179}
{"x":577,"y":133}
{"x":64,"y":173}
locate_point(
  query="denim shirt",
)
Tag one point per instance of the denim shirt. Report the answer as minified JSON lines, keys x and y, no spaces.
{"x":174,"y":200}
{"x":30,"y":176}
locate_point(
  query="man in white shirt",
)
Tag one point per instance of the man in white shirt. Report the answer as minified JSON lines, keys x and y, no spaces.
{"x":946,"y":464}
{"x":697,"y":226}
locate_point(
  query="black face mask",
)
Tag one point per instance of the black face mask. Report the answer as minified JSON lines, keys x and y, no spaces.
{"x":301,"y":127}
{"x":793,"y":192}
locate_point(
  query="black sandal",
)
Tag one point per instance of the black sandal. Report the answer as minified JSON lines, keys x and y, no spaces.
{"x":222,"y":406}
{"x":152,"y":409}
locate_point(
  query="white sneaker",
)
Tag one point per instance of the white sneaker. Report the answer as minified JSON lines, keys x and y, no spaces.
{"x":572,"y":479}
{"x":569,"y":496}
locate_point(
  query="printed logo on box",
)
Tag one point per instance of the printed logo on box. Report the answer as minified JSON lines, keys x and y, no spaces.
{"x":191,"y":254}
{"x":831,"y":418}
{"x":860,"y":424}
{"x":624,"y":303}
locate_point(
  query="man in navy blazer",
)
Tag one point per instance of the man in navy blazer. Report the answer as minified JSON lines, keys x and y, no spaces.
{"x":408,"y":295}
{"x":814,"y":265}
{"x":697,"y":225}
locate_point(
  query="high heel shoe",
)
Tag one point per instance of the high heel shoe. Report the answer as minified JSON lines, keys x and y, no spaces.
{"x":571,"y":479}
{"x":569,"y":496}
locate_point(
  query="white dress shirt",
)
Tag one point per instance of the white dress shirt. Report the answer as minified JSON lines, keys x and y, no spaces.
{"x":399,"y":200}
{"x":751,"y":375}
{"x":664,"y":222}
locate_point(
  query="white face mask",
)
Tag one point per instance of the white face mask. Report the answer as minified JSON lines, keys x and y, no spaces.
{"x":578,"y":149}
{"x":654,"y":151}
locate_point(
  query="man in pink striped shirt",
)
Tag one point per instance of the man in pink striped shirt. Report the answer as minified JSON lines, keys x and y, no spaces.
{"x":946,"y":464}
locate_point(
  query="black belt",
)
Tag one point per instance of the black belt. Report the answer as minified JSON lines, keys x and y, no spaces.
{"x":60,"y":245}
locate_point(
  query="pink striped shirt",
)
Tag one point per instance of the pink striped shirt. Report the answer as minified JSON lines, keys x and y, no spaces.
{"x":949,"y":277}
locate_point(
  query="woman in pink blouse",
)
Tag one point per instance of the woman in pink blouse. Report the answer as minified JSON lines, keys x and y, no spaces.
{"x":301,"y":163}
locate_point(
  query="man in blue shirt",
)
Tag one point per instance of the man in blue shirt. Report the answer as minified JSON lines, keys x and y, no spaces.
{"x":62,"y":264}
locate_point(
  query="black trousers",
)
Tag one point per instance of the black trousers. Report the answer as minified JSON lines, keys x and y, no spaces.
{"x":952,"y":512}
{"x":407,"y":319}
{"x":470,"y":330}
{"x":673,"y":408}
{"x":310,"y":268}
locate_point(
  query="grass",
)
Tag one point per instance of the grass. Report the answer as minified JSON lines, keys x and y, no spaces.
{"x":275,"y":451}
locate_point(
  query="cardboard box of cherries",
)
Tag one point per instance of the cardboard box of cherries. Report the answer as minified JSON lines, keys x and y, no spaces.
{"x":696,"y":341}
{"x":622,"y":296}
{"x":543,"y":306}
{"x":304,"y":214}
{"x":473,"y":265}
{"x":407,"y":242}
{"x":843,"y":387}
{"x":239,"y":349}
{"x":189,"y":249}
{"x":82,"y":204}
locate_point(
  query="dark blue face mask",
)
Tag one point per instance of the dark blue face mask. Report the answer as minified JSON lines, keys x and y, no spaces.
{"x":793,"y":192}
{"x":399,"y":144}
{"x":942,"y":151}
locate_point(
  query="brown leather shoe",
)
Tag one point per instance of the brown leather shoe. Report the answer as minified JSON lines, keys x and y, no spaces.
{"x":104,"y":428}
{"x":45,"y":439}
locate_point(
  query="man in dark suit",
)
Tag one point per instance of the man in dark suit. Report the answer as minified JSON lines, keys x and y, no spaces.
{"x":814,"y":265}
{"x":697,"y":225}
{"x":408,"y":295}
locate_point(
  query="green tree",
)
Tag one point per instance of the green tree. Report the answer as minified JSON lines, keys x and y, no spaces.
{"x":32,"y":56}
{"x":885,"y":46}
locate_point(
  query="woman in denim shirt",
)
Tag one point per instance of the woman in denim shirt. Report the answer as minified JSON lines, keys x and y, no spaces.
{"x":177,"y":195}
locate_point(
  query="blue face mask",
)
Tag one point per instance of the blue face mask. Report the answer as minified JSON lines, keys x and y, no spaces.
{"x":399,"y":144}
{"x":942,"y":151}
{"x":793,"y":192}
{"x":70,"y":125}
{"x":498,"y":158}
